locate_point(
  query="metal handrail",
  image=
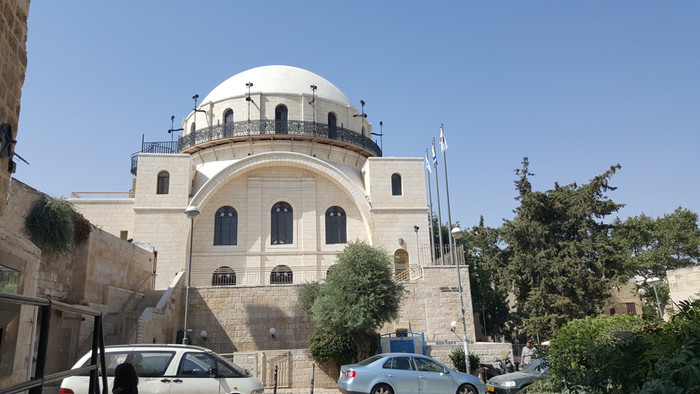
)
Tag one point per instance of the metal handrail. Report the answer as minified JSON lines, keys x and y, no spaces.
{"x":36,"y":384}
{"x":278,"y":128}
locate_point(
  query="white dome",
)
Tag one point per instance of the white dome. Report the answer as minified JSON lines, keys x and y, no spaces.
{"x":276,"y":80}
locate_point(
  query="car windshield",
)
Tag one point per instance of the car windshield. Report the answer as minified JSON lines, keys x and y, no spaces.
{"x":537,"y":367}
{"x":370,"y":360}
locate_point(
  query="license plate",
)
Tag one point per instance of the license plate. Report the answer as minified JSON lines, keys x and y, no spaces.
{"x":490,"y":388}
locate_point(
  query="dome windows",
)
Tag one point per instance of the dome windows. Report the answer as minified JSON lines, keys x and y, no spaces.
{"x":332,"y":126}
{"x":228,"y":121}
{"x":281,"y":119}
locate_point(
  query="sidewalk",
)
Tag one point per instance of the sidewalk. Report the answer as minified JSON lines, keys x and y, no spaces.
{"x":302,"y":391}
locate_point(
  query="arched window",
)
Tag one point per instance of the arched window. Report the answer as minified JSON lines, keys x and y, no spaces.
{"x":226,"y":226}
{"x":223,"y":276}
{"x":401,"y":264}
{"x":163,"y":183}
{"x":228,"y":122}
{"x":281,"y":119}
{"x":281,"y":275}
{"x":336,"y":224}
{"x":396,"y":185}
{"x":281,"y":231}
{"x":332,"y":132}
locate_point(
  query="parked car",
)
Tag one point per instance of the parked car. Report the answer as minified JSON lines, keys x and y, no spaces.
{"x":170,"y":369}
{"x":514,"y":382}
{"x":399,"y":373}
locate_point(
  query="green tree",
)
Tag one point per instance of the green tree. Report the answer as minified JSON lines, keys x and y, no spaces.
{"x":358,"y":297}
{"x":561,"y":261}
{"x":653,"y":246}
{"x":486,"y":261}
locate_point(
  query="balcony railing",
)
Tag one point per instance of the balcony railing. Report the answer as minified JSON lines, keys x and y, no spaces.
{"x":257,"y":128}
{"x":271,"y":128}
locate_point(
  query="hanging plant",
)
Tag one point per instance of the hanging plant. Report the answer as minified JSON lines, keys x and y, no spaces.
{"x":53,"y":224}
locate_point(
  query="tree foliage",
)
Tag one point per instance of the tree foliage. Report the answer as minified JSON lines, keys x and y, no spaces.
{"x":653,"y":245}
{"x":489,"y":290}
{"x":358,"y":297}
{"x":561,"y":261}
{"x":626,"y":354}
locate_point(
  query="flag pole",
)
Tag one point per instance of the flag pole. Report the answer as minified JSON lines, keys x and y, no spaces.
{"x":437,"y":195}
{"x":430,"y":209}
{"x":453,"y":241}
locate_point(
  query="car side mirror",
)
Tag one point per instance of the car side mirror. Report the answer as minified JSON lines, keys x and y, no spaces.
{"x":213,"y":372}
{"x":446,"y":371}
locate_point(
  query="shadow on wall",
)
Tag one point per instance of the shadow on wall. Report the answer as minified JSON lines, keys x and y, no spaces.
{"x":205,"y":327}
{"x":271,"y":329}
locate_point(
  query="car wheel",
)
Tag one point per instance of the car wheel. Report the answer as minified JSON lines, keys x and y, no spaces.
{"x":467,"y":389}
{"x":382,"y":389}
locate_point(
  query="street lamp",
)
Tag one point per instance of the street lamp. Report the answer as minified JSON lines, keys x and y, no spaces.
{"x":653,"y":282}
{"x":191,"y":212}
{"x":457,"y":234}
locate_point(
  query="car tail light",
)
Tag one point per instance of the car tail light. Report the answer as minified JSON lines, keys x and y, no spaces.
{"x":66,"y":391}
{"x":350,"y":373}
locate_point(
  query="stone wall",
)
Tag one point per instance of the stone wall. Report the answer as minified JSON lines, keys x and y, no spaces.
{"x":684,"y":285}
{"x":104,"y":272}
{"x":432,"y":303}
{"x":13,"y":64}
{"x":159,"y":324}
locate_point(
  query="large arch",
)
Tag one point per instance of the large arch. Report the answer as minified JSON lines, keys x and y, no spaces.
{"x":289,"y":160}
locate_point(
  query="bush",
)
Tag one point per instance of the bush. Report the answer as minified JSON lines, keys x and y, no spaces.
{"x":327,"y":345}
{"x":457,"y":358}
{"x":625,"y":354}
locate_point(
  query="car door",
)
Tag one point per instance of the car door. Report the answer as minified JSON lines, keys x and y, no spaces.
{"x":195,"y":374}
{"x":433,"y":378}
{"x":151,"y":367}
{"x":401,"y":373}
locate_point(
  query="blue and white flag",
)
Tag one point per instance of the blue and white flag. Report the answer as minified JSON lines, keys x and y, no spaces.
{"x":434,"y":155}
{"x":427,"y":163}
{"x":443,"y":141}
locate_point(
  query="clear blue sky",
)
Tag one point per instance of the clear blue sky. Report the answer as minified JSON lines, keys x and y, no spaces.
{"x":576,"y":86}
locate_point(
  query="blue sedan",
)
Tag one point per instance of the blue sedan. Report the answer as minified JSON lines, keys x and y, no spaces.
{"x":399,"y":373}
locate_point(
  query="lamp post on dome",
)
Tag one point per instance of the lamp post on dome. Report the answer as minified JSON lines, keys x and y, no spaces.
{"x":191,"y":212}
{"x":457,"y":234}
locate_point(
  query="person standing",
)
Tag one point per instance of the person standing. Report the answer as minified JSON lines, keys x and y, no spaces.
{"x":527,"y":354}
{"x":125,"y":380}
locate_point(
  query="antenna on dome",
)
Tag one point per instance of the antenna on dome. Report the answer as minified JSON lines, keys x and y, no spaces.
{"x":313,"y":100}
{"x":248,"y":99}
{"x":380,"y":135}
{"x":172,"y":129}
{"x":362,"y":115}
{"x":195,"y":97}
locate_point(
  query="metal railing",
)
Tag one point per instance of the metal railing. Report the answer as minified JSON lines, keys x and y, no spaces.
{"x":36,"y":383}
{"x":280,"y":129}
{"x":257,"y":128}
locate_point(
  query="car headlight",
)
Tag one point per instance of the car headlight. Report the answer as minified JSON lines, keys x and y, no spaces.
{"x":508,"y":383}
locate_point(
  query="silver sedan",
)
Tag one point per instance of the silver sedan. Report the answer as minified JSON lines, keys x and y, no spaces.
{"x":399,"y":373}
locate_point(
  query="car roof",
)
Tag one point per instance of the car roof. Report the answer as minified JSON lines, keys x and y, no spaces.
{"x":158,"y":346}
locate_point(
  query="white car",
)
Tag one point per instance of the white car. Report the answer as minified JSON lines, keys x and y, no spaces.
{"x":170,"y":369}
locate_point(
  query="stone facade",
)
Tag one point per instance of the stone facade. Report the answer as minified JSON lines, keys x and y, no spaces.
{"x":684,"y":285}
{"x":104,"y":272}
{"x":19,"y":257}
{"x":13,"y":65}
